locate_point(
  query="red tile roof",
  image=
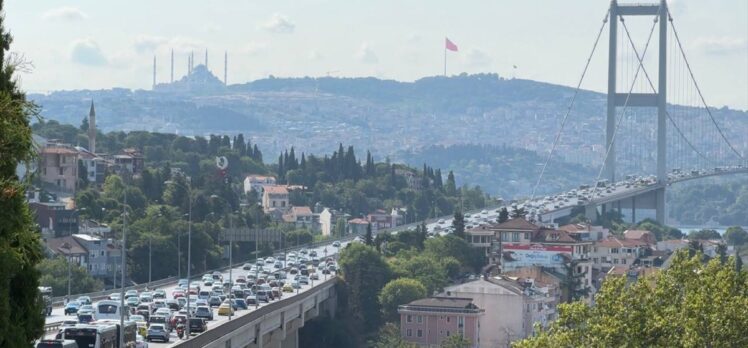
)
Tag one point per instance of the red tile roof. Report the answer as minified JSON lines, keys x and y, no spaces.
{"x":613,"y":242}
{"x":276,"y":190}
{"x":635,"y":234}
{"x":516,"y":224}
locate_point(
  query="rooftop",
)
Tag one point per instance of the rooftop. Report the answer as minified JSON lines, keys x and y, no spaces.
{"x":516,"y":224}
{"x":613,"y":242}
{"x":65,"y":246}
{"x":358,"y":221}
{"x":276,"y":189}
{"x":301,"y":211}
{"x":445,"y":302}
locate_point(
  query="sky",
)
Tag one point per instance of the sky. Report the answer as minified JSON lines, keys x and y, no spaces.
{"x":94,"y":44}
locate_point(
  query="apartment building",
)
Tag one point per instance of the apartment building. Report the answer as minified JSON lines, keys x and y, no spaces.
{"x":429,"y":321}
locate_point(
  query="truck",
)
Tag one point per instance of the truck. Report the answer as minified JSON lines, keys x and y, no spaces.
{"x":45,"y":297}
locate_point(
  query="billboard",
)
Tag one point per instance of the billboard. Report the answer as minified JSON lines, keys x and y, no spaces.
{"x":517,"y":256}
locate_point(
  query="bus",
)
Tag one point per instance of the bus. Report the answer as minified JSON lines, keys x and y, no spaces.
{"x":45,"y":296}
{"x":92,"y":336}
{"x":131,"y":330}
{"x":108,"y":309}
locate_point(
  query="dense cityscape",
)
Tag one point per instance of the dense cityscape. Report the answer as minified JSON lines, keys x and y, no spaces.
{"x":462,"y":210}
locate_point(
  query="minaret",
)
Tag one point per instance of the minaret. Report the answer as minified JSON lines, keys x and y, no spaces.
{"x":92,"y":129}
{"x":172,"y":67}
{"x":154,"y":72}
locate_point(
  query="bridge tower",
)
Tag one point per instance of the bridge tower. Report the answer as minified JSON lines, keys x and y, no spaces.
{"x":658,"y":100}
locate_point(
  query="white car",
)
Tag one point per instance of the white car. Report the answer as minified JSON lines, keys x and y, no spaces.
{"x":140,"y":342}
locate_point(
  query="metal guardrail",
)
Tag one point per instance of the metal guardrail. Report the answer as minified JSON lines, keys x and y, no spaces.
{"x":227,"y":327}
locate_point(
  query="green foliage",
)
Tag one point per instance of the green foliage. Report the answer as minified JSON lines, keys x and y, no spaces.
{"x":660,"y":231}
{"x":685,"y":305}
{"x":399,"y":292}
{"x":458,"y":224}
{"x":55,"y":274}
{"x":21,"y":321}
{"x":423,"y":267}
{"x":365,"y":273}
{"x":736,"y":235}
{"x":456,"y":341}
{"x":340,"y":227}
{"x":704,"y":234}
{"x":389,"y":337}
{"x":470,"y":258}
{"x":503,"y":215}
{"x":368,"y":237}
{"x":710,"y":200}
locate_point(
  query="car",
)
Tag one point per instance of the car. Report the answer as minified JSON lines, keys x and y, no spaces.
{"x":287,"y":288}
{"x":157,"y":332}
{"x":85,"y":318}
{"x":204,"y":312}
{"x":85,"y":309}
{"x":72,"y":307}
{"x":165,"y":311}
{"x":114,"y":296}
{"x":140,"y":341}
{"x":177,"y":293}
{"x":131,"y":293}
{"x":214,"y":301}
{"x":295,"y":285}
{"x":160,"y":293}
{"x":198,"y":325}
{"x":336,"y":244}
{"x":178,"y":319}
{"x":262,"y":295}
{"x":313,"y":253}
{"x":182,"y":301}
{"x":277,"y":293}
{"x":247,"y":267}
{"x":146,"y":298}
{"x":314,"y":276}
{"x":173,"y":305}
{"x":132,"y":301}
{"x":251,"y":300}
{"x":84,"y":300}
{"x":203,"y":295}
{"x":201,"y":302}
{"x":225,"y":308}
{"x":159,"y":319}
{"x":240,"y":303}
{"x":182,"y":281}
{"x":303,"y":280}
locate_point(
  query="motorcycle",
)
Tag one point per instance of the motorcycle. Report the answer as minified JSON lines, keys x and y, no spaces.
{"x":180,"y":331}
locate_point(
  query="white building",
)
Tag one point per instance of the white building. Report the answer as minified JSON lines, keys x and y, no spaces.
{"x":256,"y":183}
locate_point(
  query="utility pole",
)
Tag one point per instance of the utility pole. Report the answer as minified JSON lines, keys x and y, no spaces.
{"x":122,"y":282}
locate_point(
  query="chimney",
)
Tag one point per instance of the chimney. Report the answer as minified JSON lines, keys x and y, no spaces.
{"x":92,"y":129}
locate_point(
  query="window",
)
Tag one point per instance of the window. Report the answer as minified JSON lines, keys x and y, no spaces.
{"x":595,"y":260}
{"x":62,"y":171}
{"x":623,"y":261}
{"x":615,"y":261}
{"x":273,"y":203}
{"x":614,"y":250}
{"x":409,"y":333}
{"x":283,"y":204}
{"x":419,"y":333}
{"x":515,"y":237}
{"x":409,"y":318}
{"x":460,"y":321}
{"x":448,"y":319}
{"x":447,"y":333}
{"x":419,"y":319}
{"x":504,"y":236}
{"x":527,"y":235}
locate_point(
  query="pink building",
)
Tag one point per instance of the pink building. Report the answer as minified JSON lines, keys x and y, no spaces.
{"x":428,"y":321}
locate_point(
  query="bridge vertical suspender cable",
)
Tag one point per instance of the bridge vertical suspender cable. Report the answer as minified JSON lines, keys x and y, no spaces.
{"x":698,"y":90}
{"x":571,"y":105}
{"x":640,"y":60}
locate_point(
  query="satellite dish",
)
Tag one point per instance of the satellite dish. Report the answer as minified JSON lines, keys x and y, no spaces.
{"x":222,"y":162}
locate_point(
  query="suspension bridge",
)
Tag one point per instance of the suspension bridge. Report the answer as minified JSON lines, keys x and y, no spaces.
{"x":658,"y":124}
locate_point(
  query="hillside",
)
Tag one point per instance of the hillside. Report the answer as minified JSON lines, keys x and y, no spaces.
{"x":384,"y":116}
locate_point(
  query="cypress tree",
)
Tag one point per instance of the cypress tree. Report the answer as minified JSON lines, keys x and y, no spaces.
{"x":240,"y":145}
{"x":256,"y":154}
{"x":21,"y":319}
{"x":369,"y":237}
{"x":451,"y":187}
{"x":458,"y":223}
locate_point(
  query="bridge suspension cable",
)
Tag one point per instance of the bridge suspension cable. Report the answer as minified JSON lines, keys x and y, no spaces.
{"x":698,"y":90}
{"x":640,"y":60}
{"x":571,"y":104}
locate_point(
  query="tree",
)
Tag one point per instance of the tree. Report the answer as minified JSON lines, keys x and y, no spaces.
{"x":451,"y":187}
{"x":571,"y":285}
{"x":736,"y":235}
{"x":518,"y":212}
{"x":55,"y":275}
{"x":389,"y":337}
{"x":399,"y":292}
{"x":704,"y":234}
{"x":678,"y":306}
{"x":368,"y":238}
{"x":458,"y":224}
{"x":456,"y":341}
{"x":21,"y":320}
{"x":503,"y":215}
{"x":364,"y":273}
{"x":340,"y":227}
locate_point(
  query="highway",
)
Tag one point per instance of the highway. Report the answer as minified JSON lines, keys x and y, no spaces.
{"x":323,"y":251}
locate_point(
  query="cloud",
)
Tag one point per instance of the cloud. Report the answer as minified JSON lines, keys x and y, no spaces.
{"x":366,"y":55}
{"x":719,"y":45}
{"x":151,"y":44}
{"x":254,"y":48}
{"x":87,"y":52}
{"x":279,"y":24}
{"x":477,"y":58}
{"x":64,"y":13}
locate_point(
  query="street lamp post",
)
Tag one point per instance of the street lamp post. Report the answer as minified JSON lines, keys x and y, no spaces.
{"x":187,"y":187}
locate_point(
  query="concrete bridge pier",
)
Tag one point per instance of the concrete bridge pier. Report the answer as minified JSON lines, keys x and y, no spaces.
{"x":660,"y":205}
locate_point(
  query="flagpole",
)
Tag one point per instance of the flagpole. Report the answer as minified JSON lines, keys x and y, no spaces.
{"x":445,"y":60}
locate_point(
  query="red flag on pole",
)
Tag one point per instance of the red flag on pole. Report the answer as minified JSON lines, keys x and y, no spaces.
{"x":450,"y":45}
